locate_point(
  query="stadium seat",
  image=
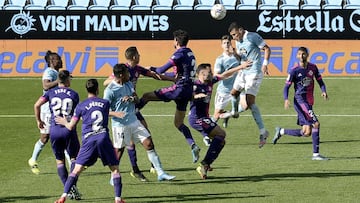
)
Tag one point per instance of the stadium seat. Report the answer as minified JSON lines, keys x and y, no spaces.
{"x":228,"y":4}
{"x":142,"y":5}
{"x":2,"y":4}
{"x":163,"y":5}
{"x":352,"y":4}
{"x":247,"y":5}
{"x":184,"y":5}
{"x":15,"y":5}
{"x":311,"y":4}
{"x":289,"y":5}
{"x":36,"y":5}
{"x":78,"y":5}
{"x":268,"y":5}
{"x":57,"y":5}
{"x":332,"y":4}
{"x":100,"y":5}
{"x":121,"y":5}
{"x":204,"y":4}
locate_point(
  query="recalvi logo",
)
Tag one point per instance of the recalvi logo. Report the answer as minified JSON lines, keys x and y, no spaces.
{"x":319,"y":21}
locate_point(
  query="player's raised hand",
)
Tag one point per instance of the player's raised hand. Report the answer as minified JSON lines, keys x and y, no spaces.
{"x":119,"y":114}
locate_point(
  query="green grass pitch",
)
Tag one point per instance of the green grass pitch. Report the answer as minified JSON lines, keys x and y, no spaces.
{"x":242,"y":173}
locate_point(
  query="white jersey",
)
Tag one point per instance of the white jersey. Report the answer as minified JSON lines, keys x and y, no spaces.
{"x":223,"y":63}
{"x":249,"y":48}
{"x":51,"y":75}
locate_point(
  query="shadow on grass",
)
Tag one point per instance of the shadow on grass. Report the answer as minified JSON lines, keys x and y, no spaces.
{"x":23,"y":198}
{"x":194,"y":197}
{"x":267,"y":177}
{"x":310,"y":142}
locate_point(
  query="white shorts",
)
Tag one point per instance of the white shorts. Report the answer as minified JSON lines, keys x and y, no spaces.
{"x":45,"y":117}
{"x":122,"y":136}
{"x":249,"y":83}
{"x":222,"y":100}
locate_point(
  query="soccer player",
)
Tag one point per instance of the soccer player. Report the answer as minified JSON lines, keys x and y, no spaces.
{"x":96,"y":142}
{"x":125,"y":125}
{"x":133,"y":58}
{"x":183,"y":61}
{"x":49,"y":80}
{"x":303,"y":75}
{"x":224,"y":62}
{"x":199,"y":117}
{"x":248,"y":48}
{"x":62,"y":102}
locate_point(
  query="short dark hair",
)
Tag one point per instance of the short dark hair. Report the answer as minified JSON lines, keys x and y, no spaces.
{"x":182,"y":37}
{"x":64,"y":75}
{"x":304,"y":49}
{"x":234,"y":25}
{"x":202,"y":67}
{"x":119,"y":69}
{"x":92,"y":86}
{"x":225,"y":37}
{"x":131,"y":52}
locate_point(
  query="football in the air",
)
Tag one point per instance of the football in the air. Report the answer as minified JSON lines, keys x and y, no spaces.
{"x":218,"y":11}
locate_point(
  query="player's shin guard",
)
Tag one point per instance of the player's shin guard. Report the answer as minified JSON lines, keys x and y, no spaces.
{"x":117,"y":184}
{"x":234,"y":104}
{"x":214,"y":150}
{"x":133,"y":158}
{"x":315,"y":139}
{"x":62,"y":172}
{"x":72,"y":180}
{"x":155,"y":160}
{"x":187,"y":134}
{"x":257,"y":116}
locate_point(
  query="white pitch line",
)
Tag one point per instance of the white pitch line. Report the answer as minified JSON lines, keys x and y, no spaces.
{"x":159,"y":115}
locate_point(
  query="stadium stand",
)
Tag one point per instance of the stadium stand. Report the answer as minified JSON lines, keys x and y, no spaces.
{"x":289,"y":5}
{"x":204,"y":4}
{"x":177,"y":4}
{"x":228,"y":4}
{"x":352,"y":4}
{"x":268,"y":5}
{"x":142,"y":5}
{"x":311,"y":4}
{"x":121,"y":5}
{"x":247,"y":5}
{"x":15,"y":5}
{"x":184,"y":5}
{"x":100,"y":5}
{"x":163,"y":5}
{"x":79,"y":5}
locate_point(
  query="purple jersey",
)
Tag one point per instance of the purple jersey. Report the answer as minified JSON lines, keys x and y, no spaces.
{"x":94,"y":112}
{"x":303,"y":79}
{"x":183,"y":61}
{"x":199,"y":108}
{"x":62,"y":102}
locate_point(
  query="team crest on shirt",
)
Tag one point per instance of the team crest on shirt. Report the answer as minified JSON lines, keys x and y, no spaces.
{"x":311,"y":73}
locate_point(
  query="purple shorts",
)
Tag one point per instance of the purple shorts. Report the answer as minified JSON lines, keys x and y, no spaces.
{"x":180,"y":94}
{"x":63,"y":139}
{"x":306,"y":115}
{"x":204,"y":125}
{"x":97,"y":146}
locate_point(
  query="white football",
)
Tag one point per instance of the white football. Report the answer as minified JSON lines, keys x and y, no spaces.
{"x":218,"y":11}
